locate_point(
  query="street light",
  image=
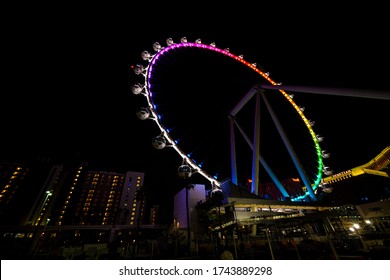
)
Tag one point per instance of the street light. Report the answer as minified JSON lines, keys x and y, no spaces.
{"x":38,"y":221}
{"x":39,"y":236}
{"x":48,"y":194}
{"x":356,"y":229}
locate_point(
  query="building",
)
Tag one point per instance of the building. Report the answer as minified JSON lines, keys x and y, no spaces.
{"x":74,"y":195}
{"x":68,"y":204}
{"x":13,"y":177}
{"x":153,"y":216}
{"x":196,"y":194}
{"x":69,"y":208}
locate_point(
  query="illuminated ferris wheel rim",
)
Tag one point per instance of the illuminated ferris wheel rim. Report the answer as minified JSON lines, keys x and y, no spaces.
{"x":164,"y":132}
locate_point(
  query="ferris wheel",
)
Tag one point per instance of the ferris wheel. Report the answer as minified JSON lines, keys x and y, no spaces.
{"x":157,"y":64}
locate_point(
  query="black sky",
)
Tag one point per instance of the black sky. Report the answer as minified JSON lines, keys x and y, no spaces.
{"x":69,"y":92}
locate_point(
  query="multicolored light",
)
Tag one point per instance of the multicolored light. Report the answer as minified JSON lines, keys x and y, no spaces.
{"x":172,"y":143}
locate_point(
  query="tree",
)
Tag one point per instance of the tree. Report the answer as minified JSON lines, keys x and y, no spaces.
{"x":185,"y":173}
{"x":140,"y":196}
{"x":217,"y":199}
{"x":188,"y":188}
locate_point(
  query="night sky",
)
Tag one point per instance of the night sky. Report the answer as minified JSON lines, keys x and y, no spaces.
{"x":70,"y":95}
